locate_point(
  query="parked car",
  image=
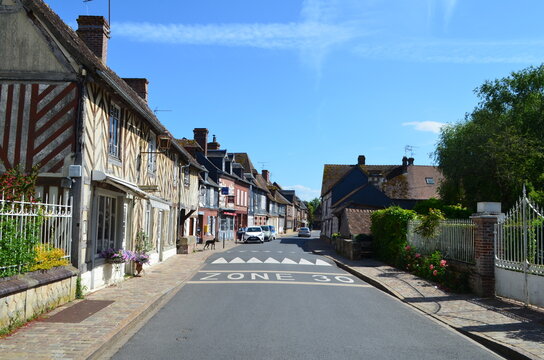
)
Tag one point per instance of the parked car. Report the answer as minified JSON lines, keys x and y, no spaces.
{"x":304,"y":231}
{"x":254,"y":234}
{"x":268,"y":232}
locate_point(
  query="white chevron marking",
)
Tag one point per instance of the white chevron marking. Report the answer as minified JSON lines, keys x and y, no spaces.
{"x":305,"y":262}
{"x":237,"y":260}
{"x":271,"y":261}
{"x":220,"y":261}
{"x":321,"y":262}
{"x":288,"y":261}
{"x":254,"y":261}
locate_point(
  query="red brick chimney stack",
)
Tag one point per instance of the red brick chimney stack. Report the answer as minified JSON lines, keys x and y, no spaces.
{"x":201,"y":137}
{"x":266,"y":175}
{"x":139,"y":85}
{"x":214,"y":145}
{"x":95,"y":32}
{"x":361,"y":160}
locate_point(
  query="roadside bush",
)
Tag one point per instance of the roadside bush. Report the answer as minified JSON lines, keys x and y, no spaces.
{"x":449,"y":211}
{"x":48,"y":257}
{"x":18,"y":245}
{"x":389,"y":227}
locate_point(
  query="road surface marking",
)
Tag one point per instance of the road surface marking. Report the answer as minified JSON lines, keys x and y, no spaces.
{"x":288,"y":261}
{"x":321,"y":262}
{"x":237,"y":260}
{"x":305,"y":262}
{"x":274,"y":271}
{"x":271,"y":261}
{"x":254,"y":260}
{"x":220,"y":261}
{"x":278,"y":282}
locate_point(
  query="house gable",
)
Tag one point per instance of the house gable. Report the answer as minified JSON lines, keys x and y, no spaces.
{"x":354,"y":179}
{"x":35,"y":54}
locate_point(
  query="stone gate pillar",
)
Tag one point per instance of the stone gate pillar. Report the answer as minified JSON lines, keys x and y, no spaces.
{"x":482,"y":280}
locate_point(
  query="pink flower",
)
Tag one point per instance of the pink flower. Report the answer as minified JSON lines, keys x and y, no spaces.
{"x":431,"y":266}
{"x":418,"y":256}
{"x":407,"y":248}
{"x":442,"y":263}
{"x":435,"y":272}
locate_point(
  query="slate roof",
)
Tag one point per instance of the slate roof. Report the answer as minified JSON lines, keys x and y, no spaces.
{"x":331,"y":175}
{"x":81,"y":53}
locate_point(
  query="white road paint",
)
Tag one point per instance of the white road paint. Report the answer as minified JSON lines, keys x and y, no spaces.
{"x":220,"y":261}
{"x":321,"y":262}
{"x":271,"y":261}
{"x":288,"y":261}
{"x":278,"y":282}
{"x":305,"y":262}
{"x":237,"y":260}
{"x":254,"y":260}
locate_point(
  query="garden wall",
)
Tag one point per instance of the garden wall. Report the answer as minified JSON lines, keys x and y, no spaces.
{"x":24,"y":296}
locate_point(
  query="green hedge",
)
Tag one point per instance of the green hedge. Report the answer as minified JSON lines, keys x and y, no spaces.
{"x":389,"y":228}
{"x":450,"y":211}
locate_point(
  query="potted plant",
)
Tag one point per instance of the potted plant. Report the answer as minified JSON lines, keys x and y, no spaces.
{"x":115,"y":256}
{"x":139,"y":260}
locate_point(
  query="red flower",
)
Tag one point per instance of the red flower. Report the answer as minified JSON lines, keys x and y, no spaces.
{"x":418,"y":256}
{"x":407,"y":248}
{"x":431,"y":266}
{"x":442,"y":263}
{"x":435,"y":272}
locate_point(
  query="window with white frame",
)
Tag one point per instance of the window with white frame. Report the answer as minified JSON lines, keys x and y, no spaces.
{"x":114,"y":131}
{"x":106,"y":223}
{"x":186,"y":176}
{"x":152,"y":153}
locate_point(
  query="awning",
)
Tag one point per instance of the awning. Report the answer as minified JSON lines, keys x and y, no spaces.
{"x":119,"y":183}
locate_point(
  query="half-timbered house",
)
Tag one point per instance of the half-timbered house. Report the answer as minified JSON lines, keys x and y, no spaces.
{"x":93,"y":137}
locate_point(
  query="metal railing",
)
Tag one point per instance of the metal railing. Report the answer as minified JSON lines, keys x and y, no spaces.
{"x":455,"y":239}
{"x":519,"y":238}
{"x":27,"y":223}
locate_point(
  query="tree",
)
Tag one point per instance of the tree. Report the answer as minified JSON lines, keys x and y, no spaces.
{"x":312,"y":206}
{"x":499,"y":146}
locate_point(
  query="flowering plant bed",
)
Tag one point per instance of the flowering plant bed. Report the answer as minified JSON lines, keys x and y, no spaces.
{"x":115,"y":256}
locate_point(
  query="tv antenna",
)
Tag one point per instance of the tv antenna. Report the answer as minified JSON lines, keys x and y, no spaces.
{"x":263,"y":164}
{"x":156,"y":110}
{"x":109,"y":10}
{"x":409,"y":149}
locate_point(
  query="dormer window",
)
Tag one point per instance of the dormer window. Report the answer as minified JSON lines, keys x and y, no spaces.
{"x":429,"y":180}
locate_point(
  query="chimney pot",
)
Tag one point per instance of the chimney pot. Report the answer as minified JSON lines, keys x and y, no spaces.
{"x":201,"y":137}
{"x":361,"y":160}
{"x":95,"y":32}
{"x":139,"y":85}
{"x":214,"y":145}
{"x":404,"y":161}
{"x":410,"y":161}
{"x":266,"y":175}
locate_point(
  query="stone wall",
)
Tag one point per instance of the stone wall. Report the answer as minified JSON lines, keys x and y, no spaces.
{"x":348,"y":248}
{"x":25,"y":296}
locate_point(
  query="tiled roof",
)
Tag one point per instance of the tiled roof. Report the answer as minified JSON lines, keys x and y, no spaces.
{"x":331,"y":175}
{"x":81,"y":53}
{"x":260,"y":182}
{"x":189,"y":143}
{"x":418,"y":187}
{"x":358,"y":221}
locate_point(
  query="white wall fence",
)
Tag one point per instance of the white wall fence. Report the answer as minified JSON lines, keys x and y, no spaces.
{"x":455,"y":239}
{"x":21,"y":221}
{"x":519,"y":253}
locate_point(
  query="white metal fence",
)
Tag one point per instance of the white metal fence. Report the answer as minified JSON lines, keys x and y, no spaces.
{"x":25,"y":224}
{"x":455,"y":239}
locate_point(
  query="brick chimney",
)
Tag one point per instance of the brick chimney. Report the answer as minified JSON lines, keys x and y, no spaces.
{"x":361,"y":160}
{"x":410,"y":161}
{"x":201,"y":137}
{"x":266,"y":175}
{"x":214,"y":145}
{"x":404,"y":161}
{"x":139,"y":85}
{"x":95,"y":32}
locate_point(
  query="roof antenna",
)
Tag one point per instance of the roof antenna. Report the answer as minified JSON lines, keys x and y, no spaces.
{"x":263,"y":164}
{"x":156,"y":110}
{"x":409,"y":149}
{"x":109,"y":9}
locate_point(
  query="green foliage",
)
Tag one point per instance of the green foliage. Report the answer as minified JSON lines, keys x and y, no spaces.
{"x":80,"y":289}
{"x":499,"y":146}
{"x":429,"y":225}
{"x":449,"y":211}
{"x":389,"y":228}
{"x":18,"y":245}
{"x":143,"y":244}
{"x":15,"y":184}
{"x":312,"y":206}
{"x":336,"y":236}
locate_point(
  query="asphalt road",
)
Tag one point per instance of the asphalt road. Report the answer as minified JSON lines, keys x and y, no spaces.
{"x":275,"y":301}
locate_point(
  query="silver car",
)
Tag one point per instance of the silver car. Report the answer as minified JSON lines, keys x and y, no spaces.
{"x":304,"y":231}
{"x":267,"y":231}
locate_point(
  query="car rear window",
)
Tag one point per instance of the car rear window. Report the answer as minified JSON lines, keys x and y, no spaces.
{"x":304,"y":229}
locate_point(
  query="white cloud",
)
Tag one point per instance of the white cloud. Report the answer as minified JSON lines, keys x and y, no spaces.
{"x":430,"y":126}
{"x":303,"y":192}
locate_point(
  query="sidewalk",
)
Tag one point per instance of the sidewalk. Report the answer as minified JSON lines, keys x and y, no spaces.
{"x":510,"y":329}
{"x":131,"y":301}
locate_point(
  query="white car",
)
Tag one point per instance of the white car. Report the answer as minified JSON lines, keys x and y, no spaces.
{"x":253,"y":233}
{"x":304,"y":231}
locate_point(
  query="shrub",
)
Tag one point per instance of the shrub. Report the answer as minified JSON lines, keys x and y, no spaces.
{"x":430,"y":224}
{"x":449,"y":211}
{"x":48,"y":257}
{"x":18,"y":242}
{"x":389,"y":228}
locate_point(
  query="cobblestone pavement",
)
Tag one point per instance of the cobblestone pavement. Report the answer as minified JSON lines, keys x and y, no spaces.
{"x":133,"y":298}
{"x":517,"y":332}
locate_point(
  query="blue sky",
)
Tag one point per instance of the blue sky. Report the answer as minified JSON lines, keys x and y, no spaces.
{"x":302,"y":83}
